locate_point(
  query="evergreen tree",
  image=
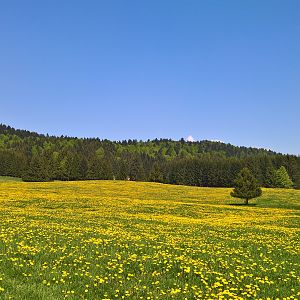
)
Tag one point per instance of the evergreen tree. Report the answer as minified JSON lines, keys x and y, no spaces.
{"x":69,"y":167}
{"x":136,"y":169}
{"x":100,"y":152}
{"x":282,"y":179}
{"x":297,"y":183}
{"x":82,"y":168}
{"x":297,"y":180}
{"x":171,"y":152}
{"x":123,"y":171}
{"x":246,"y":186}
{"x":269,"y":179}
{"x":156,"y":173}
{"x":100,"y":169}
{"x":37,"y":170}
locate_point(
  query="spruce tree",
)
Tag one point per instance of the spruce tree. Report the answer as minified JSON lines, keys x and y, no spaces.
{"x":37,"y":170}
{"x":246,"y":186}
{"x":269,"y":180}
{"x":156,"y":174}
{"x":282,"y":179}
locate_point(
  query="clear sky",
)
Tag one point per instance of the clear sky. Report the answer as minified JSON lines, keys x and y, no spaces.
{"x":219,"y":70}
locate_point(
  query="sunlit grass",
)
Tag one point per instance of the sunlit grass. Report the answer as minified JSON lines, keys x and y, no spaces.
{"x":9,"y":178}
{"x":130,"y":240}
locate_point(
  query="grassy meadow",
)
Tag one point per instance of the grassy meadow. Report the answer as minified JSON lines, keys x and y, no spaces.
{"x":9,"y":178}
{"x":134,"y":240}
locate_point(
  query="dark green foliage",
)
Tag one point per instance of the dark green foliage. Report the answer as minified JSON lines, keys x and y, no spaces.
{"x":73,"y":167}
{"x":282,"y":179}
{"x":246,"y":186}
{"x":269,"y":174}
{"x":12,"y":162}
{"x":297,"y":175}
{"x":37,"y":170}
{"x":136,"y":169}
{"x":156,"y":173}
{"x":100,"y":169}
{"x":297,"y":183}
{"x":41,"y":157}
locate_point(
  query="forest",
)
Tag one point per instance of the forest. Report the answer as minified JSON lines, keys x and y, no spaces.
{"x":38,"y":157}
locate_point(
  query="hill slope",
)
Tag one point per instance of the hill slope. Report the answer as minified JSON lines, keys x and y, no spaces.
{"x":36,"y":157}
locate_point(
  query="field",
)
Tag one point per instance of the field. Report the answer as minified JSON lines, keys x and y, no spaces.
{"x":131,"y":240}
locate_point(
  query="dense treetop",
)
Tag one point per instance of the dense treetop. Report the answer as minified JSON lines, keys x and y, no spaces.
{"x":39,"y":157}
{"x":246,"y":186}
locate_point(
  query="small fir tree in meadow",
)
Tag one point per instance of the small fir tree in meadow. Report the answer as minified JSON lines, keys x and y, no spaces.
{"x":246,"y":186}
{"x":282,"y":179}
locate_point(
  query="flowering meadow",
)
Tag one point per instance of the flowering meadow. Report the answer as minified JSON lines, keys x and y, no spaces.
{"x":134,"y":240}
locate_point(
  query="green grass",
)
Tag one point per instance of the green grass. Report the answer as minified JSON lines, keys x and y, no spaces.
{"x":134,"y":240}
{"x":9,"y":178}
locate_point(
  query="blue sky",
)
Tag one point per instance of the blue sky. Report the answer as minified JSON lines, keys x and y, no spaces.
{"x":218,"y":70}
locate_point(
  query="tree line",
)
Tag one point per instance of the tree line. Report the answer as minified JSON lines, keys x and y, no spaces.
{"x":38,"y":157}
